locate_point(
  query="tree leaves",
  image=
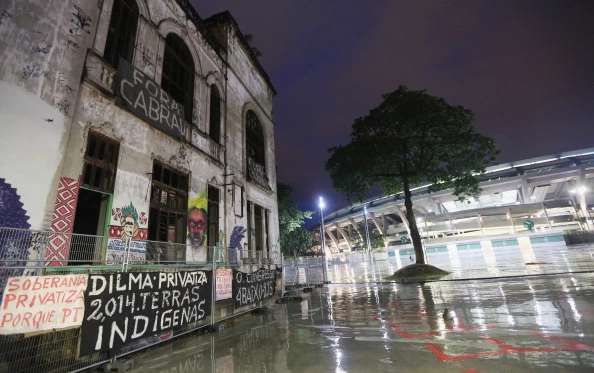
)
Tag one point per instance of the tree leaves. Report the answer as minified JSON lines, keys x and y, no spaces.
{"x":291,"y":219}
{"x":409,"y":139}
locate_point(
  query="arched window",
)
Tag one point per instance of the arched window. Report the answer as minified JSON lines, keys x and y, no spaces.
{"x":178,"y":73}
{"x":254,"y":138}
{"x":215,"y":114}
{"x":121,"y":34}
{"x":255,"y":150}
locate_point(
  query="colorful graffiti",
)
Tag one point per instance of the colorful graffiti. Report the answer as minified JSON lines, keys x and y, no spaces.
{"x":197,"y":225}
{"x":62,"y":222}
{"x":130,"y":222}
{"x":13,"y":245}
{"x":126,"y":240}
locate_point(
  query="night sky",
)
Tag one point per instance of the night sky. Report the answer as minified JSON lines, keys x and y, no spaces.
{"x":525,"y":68}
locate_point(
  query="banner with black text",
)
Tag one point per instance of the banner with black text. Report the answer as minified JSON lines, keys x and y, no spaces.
{"x":125,"y":306}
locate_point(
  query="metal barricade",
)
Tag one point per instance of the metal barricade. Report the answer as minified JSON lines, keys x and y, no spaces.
{"x":302,"y":272}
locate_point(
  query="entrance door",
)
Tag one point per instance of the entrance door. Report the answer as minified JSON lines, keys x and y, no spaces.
{"x":89,"y":219}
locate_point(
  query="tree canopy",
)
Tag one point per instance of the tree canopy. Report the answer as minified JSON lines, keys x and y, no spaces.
{"x":294,"y":238}
{"x":411,"y":138}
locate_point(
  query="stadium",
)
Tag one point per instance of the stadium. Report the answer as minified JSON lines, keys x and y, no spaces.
{"x":542,"y":200}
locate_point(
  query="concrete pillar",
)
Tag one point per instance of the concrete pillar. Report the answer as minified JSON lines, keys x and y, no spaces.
{"x":454,"y":257}
{"x":526,"y":249}
{"x":489,"y":256}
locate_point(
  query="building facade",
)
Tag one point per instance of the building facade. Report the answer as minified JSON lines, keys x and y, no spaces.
{"x":136,"y":120}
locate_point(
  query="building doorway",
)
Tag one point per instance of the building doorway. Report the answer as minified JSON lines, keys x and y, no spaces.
{"x":89,"y":222}
{"x":94,"y":200}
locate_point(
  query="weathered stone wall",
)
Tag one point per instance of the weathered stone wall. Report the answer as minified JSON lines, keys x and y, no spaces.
{"x":55,"y":88}
{"x":42,"y":49}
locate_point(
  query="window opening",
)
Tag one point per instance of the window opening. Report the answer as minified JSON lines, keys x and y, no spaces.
{"x":168,"y":206}
{"x":100,"y":163}
{"x":213,"y":216}
{"x":254,"y":138}
{"x":178,"y":73}
{"x":215,"y":115}
{"x":121,"y":35}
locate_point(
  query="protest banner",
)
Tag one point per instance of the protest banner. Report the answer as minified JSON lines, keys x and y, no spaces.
{"x":224,"y":279}
{"x":250,"y":288}
{"x":39,"y":303}
{"x":125,"y":306}
{"x":117,"y":251}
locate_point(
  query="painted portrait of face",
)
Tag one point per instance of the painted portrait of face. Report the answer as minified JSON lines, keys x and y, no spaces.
{"x":129,"y":227}
{"x":197,"y":227}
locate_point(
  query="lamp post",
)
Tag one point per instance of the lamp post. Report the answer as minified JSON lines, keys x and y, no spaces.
{"x":368,"y":243}
{"x":369,"y":253}
{"x":321,"y":205}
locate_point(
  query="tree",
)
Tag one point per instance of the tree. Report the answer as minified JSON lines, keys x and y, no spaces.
{"x":297,"y":242}
{"x":376,"y":239}
{"x":409,"y":139}
{"x":291,"y":220}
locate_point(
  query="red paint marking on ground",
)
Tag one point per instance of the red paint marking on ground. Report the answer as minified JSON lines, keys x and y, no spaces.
{"x":471,"y":371}
{"x":507,"y":349}
{"x":448,"y":329}
{"x":578,"y":346}
{"x":409,"y":335}
{"x":498,"y":343}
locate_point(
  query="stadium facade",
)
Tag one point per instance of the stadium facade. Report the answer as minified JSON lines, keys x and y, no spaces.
{"x":538,"y":200}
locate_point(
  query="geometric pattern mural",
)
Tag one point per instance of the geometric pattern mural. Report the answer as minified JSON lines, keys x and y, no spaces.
{"x":62,"y":222}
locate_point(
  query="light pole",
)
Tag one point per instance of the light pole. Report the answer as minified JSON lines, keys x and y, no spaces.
{"x":367,"y":231}
{"x":321,"y":205}
{"x":368,"y":242}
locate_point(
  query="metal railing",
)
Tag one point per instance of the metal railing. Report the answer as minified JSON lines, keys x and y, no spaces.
{"x":302,"y":272}
{"x":28,"y":253}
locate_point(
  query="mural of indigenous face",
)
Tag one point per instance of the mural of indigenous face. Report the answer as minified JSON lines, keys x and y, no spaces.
{"x":197,"y":226}
{"x":129,"y":222}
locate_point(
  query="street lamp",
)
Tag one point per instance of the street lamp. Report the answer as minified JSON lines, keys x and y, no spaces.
{"x":321,"y":205}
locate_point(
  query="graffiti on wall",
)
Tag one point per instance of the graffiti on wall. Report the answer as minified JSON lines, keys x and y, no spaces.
{"x":13,"y":246}
{"x":126,"y":239}
{"x":130,"y":222}
{"x":12,"y":213}
{"x":62,"y":222}
{"x":196,"y":251}
{"x":235,"y":248}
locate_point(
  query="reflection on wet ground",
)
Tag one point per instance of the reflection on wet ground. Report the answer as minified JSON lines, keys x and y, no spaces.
{"x":502,"y":325}
{"x":502,"y":262}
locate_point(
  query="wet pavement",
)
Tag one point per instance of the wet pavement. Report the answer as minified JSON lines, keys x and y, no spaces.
{"x":534,"y":323}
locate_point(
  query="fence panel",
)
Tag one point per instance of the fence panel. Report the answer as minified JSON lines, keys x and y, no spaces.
{"x":44,"y":259}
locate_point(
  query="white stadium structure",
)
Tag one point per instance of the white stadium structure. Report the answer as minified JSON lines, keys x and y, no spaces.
{"x":524,"y":203}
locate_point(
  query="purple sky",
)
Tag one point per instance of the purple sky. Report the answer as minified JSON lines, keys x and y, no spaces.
{"x":526,"y":69}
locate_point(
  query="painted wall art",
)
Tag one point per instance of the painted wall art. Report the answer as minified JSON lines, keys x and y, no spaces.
{"x":196,"y":250}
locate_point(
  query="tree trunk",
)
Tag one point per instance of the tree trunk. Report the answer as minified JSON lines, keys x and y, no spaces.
{"x":412,"y":224}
